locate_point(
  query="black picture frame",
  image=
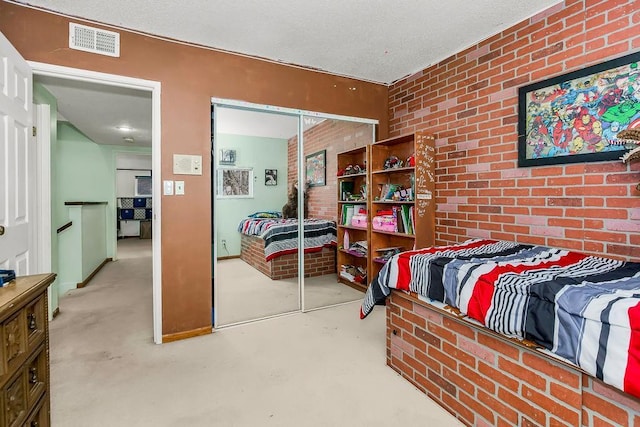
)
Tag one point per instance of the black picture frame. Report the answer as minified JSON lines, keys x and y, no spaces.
{"x":575,"y":117}
{"x":270,"y":177}
{"x":316,"y":168}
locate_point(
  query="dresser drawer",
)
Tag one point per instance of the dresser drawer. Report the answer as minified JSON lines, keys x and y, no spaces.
{"x":13,"y":338}
{"x":36,"y":373}
{"x":36,"y":320}
{"x":14,"y":400}
{"x":39,"y":417}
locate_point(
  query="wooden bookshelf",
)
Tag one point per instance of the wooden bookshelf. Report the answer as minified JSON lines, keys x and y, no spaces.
{"x":390,"y":168}
{"x":352,"y":188}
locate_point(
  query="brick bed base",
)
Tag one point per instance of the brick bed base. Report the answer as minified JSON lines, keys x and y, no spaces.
{"x":487,"y":380}
{"x":286,"y":266}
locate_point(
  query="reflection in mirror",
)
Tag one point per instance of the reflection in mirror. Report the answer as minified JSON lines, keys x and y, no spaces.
{"x":323,"y":139}
{"x":253,"y":163}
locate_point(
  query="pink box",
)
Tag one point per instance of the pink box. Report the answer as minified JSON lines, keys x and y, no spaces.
{"x":359,"y":220}
{"x":384,"y":223}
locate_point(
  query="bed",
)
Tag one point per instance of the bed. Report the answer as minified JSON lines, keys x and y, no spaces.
{"x":582,"y":309}
{"x":271,"y":246}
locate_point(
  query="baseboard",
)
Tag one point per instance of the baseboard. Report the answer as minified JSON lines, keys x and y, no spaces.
{"x":205,"y":330}
{"x":221,"y":258}
{"x":88,"y":279}
{"x":56,"y":312}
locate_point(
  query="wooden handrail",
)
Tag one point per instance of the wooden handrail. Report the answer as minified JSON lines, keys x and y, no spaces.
{"x":64,"y":227}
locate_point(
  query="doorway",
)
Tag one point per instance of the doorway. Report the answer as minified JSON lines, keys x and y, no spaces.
{"x":272,"y":247}
{"x":120,"y":84}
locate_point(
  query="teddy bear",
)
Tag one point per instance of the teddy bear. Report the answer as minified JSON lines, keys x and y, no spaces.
{"x":290,"y":209}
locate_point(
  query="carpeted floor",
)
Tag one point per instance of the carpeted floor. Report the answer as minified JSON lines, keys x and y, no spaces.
{"x":244,"y":293}
{"x":323,"y":368}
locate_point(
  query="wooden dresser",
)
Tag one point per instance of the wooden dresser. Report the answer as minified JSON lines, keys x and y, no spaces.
{"x":24,"y":352}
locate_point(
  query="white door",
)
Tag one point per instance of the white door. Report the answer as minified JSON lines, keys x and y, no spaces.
{"x":17,"y":162}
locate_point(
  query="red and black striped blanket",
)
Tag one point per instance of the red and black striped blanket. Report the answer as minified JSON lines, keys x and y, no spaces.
{"x":281,"y":235}
{"x":584,"y":309}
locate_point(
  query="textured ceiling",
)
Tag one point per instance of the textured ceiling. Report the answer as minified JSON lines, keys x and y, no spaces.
{"x":375,"y":40}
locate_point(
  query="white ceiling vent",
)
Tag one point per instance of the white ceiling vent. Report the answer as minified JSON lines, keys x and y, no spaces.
{"x":94,"y":40}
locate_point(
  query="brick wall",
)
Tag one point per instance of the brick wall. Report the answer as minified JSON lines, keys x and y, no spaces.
{"x":334,"y":136}
{"x":286,"y":266}
{"x":486,"y":380}
{"x":470,"y":102}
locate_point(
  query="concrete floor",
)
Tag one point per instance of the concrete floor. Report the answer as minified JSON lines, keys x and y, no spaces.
{"x":323,"y":368}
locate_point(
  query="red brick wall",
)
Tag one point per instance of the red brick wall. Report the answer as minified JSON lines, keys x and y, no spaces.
{"x":470,"y":102}
{"x":486,"y":380}
{"x":284,"y":267}
{"x":334,"y":136}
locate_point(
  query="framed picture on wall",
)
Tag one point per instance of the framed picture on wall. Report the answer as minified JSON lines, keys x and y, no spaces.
{"x":270,"y":177}
{"x":234,"y":183}
{"x":143,"y":186}
{"x":576,"y":117}
{"x":316,"y":168}
{"x":227,"y":157}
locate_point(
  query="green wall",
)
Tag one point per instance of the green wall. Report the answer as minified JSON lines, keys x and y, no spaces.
{"x":87,"y":172}
{"x":260,"y":154}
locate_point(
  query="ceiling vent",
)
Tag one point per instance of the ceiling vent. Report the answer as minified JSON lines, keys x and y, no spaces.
{"x":94,"y":40}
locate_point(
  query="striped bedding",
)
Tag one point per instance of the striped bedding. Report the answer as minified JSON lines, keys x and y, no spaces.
{"x":584,"y":309}
{"x":281,"y":235}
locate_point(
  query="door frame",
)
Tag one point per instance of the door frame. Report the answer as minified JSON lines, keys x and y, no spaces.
{"x":154,"y":87}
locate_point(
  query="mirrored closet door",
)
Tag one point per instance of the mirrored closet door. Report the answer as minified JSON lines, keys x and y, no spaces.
{"x":254,"y":268}
{"x":277,"y":235}
{"x":335,"y":227}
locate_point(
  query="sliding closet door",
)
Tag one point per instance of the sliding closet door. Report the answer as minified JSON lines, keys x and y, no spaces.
{"x":323,"y":139}
{"x":255,"y":271}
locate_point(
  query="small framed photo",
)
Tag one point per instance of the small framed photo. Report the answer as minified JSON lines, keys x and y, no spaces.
{"x":270,"y":177}
{"x":227,"y":157}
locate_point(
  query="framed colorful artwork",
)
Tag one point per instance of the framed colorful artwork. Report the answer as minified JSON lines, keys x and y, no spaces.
{"x":316,"y":168}
{"x":576,"y":117}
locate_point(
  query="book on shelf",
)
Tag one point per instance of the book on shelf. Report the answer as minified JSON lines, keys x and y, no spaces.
{"x":384,"y":254}
{"x":353,"y":273}
{"x":346,"y":190}
{"x":395,"y":192}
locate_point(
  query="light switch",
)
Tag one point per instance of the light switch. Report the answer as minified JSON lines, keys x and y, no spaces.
{"x":179,"y":188}
{"x":167,"y":188}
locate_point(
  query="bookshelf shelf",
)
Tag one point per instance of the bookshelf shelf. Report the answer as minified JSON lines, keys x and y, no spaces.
{"x":352,"y":227}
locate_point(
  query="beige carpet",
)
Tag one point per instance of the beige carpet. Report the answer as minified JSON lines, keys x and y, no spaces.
{"x":244,"y":293}
{"x":323,"y":368}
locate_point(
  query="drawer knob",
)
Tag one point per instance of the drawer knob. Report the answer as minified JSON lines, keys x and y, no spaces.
{"x":32,"y":322}
{"x":33,"y":375}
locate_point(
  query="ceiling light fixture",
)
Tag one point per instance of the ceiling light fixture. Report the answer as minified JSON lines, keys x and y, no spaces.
{"x":124,"y":128}
{"x":128,"y":139}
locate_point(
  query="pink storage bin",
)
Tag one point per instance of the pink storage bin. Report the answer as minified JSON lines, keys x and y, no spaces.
{"x":359,"y":220}
{"x":384,"y":223}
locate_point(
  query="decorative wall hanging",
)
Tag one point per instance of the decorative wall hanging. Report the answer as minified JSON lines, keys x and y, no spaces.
{"x":235,"y":183}
{"x":576,"y":117}
{"x":316,"y":168}
{"x":227,"y":157}
{"x":270,"y":177}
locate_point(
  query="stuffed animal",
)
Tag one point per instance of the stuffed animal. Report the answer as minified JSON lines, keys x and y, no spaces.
{"x":290,"y":209}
